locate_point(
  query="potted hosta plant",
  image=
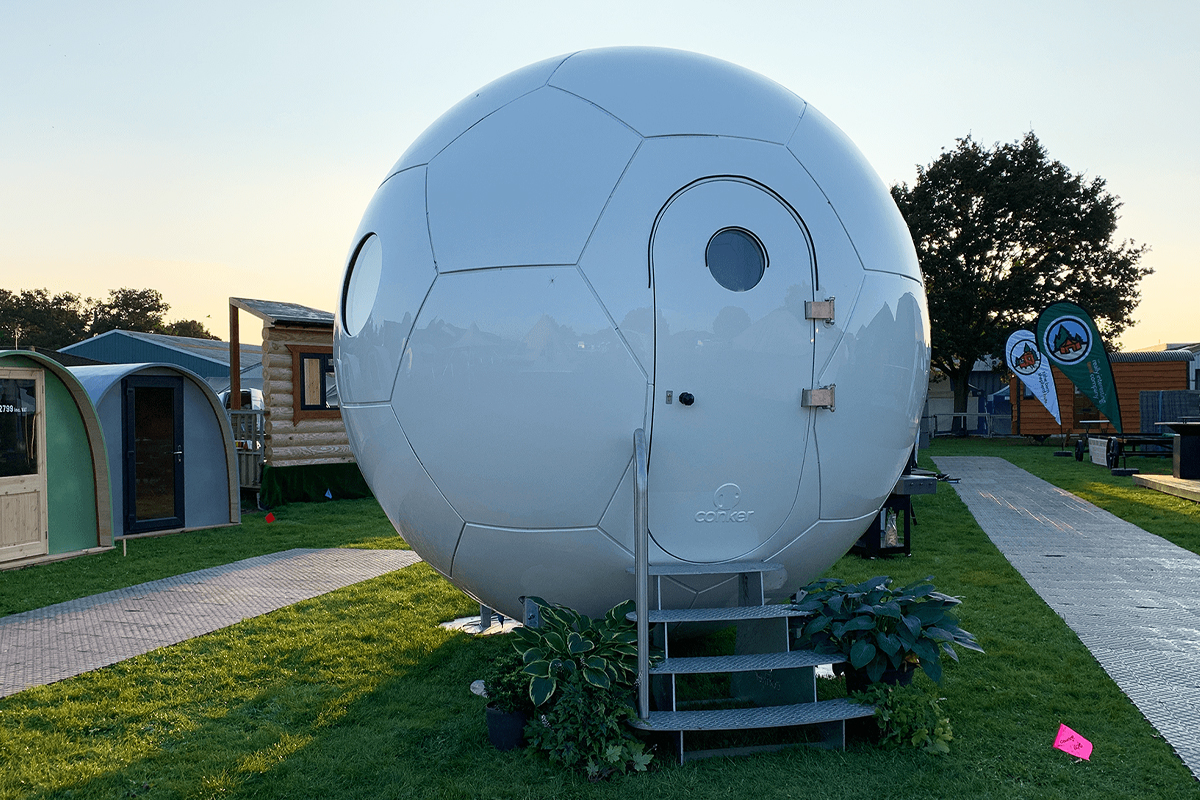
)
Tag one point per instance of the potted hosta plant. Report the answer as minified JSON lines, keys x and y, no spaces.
{"x":580,"y":676}
{"x":509,"y":706}
{"x":883,"y":631}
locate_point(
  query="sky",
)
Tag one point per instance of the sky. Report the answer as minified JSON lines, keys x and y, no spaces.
{"x":217,"y":149}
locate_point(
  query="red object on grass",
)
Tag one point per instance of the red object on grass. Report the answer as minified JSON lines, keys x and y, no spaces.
{"x":270,"y":516}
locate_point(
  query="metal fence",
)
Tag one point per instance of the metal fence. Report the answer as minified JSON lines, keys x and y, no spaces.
{"x":1166,"y":406}
{"x":977,"y":423}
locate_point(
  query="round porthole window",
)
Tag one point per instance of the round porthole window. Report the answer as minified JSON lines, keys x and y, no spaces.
{"x":362,"y":284}
{"x":736,"y":258}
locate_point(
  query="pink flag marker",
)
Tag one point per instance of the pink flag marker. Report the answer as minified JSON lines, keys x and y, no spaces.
{"x":1071,"y":742}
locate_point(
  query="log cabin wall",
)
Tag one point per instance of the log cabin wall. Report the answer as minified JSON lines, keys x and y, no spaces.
{"x":1031,"y":418}
{"x":291,"y":442}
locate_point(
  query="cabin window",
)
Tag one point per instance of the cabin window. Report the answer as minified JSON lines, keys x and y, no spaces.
{"x":314,"y":383}
{"x":18,"y":413}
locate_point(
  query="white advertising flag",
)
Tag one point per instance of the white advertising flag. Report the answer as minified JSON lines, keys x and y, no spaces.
{"x":1023,"y":358}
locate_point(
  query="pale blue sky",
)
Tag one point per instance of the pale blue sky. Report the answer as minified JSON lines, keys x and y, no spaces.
{"x":211,"y":149}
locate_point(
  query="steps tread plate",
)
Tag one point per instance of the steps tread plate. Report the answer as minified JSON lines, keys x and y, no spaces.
{"x":729,"y":568}
{"x":770,"y":611}
{"x":743,"y":663}
{"x":747,"y":718}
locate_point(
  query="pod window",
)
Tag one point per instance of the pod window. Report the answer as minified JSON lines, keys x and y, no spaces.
{"x":362,"y":284}
{"x":736,"y":259}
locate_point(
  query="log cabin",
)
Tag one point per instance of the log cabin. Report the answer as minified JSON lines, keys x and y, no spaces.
{"x":305,"y":452}
{"x":1133,"y":373}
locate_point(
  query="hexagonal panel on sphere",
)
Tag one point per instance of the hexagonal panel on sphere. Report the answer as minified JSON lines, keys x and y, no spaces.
{"x":526,"y":184}
{"x":473,"y":108}
{"x":879,"y":357}
{"x":519,"y":398}
{"x":632,"y":238}
{"x":556,"y":565}
{"x":854,"y":188}
{"x":673,"y":92}
{"x":409,"y":497}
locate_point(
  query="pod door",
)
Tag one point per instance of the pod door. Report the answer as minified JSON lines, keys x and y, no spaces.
{"x":24,"y":528}
{"x":732,"y":267}
{"x":153,"y":433}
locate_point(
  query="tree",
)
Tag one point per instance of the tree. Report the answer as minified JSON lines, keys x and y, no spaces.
{"x":188,"y":327}
{"x":141,"y":310}
{"x":129,"y":310}
{"x":1001,"y":234}
{"x":35,"y":318}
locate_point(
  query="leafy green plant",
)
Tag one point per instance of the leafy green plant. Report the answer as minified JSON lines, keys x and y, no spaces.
{"x":507,"y":685}
{"x":581,"y":674}
{"x":601,"y":652}
{"x":584,"y":729}
{"x":878,"y":627}
{"x":908,"y":715}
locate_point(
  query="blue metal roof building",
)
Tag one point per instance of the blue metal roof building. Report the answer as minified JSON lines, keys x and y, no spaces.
{"x":208,"y":358}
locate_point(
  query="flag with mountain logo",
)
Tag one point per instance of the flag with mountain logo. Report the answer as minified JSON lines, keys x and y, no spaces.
{"x":1022,"y":356}
{"x":1068,"y":338}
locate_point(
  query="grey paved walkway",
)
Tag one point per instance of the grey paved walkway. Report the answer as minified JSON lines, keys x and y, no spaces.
{"x":59,"y":641}
{"x":1132,"y":598}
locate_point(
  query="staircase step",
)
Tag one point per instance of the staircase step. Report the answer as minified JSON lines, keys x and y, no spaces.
{"x":743,"y":663}
{"x":733,"y":614}
{"x":746,"y":718}
{"x":729,"y":568}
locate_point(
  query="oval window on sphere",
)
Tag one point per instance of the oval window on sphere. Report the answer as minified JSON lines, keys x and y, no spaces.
{"x":362,"y":284}
{"x":736,"y":259}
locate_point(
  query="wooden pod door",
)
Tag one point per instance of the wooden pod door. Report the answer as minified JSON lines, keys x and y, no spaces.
{"x":24,"y":529}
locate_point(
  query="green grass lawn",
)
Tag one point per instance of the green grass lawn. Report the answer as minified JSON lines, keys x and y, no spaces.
{"x":360,"y":694}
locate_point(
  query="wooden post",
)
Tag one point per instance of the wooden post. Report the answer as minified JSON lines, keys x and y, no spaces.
{"x":235,"y":361}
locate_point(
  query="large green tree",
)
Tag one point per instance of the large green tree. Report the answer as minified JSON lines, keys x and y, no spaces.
{"x":1003,"y":232}
{"x":130,"y":310}
{"x":35,"y":318}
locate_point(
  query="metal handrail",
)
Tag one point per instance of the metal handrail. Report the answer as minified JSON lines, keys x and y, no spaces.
{"x":641,"y":569}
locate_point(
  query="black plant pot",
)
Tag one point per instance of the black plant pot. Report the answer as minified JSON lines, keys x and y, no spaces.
{"x":506,"y":730}
{"x":857,"y":680}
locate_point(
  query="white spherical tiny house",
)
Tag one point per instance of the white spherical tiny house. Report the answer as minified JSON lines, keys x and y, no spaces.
{"x":620,"y":239}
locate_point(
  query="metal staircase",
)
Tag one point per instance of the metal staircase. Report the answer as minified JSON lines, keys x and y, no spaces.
{"x":773,"y":685}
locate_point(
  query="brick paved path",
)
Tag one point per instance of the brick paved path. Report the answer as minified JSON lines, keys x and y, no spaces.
{"x":1132,"y":598}
{"x":60,"y":641}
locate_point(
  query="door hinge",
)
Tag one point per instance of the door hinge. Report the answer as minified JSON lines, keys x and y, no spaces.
{"x":819,"y":309}
{"x":820,"y":397}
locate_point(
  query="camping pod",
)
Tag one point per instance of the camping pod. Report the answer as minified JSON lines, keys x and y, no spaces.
{"x":54,"y":479}
{"x":170,"y":449}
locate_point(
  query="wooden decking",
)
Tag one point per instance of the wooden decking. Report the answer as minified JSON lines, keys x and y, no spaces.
{"x":1180,"y":487}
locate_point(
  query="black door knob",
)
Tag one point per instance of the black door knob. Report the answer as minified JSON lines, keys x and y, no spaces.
{"x":686,"y":398}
